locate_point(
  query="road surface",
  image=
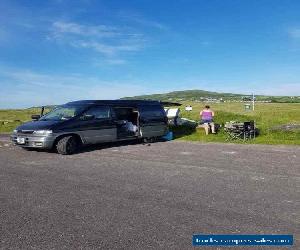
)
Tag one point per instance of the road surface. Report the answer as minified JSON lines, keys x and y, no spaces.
{"x":146,"y":197}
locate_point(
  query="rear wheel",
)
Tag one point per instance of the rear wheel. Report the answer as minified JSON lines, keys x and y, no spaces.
{"x":67,"y":145}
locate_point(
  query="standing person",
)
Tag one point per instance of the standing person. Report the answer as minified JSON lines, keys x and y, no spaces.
{"x":207,"y":116}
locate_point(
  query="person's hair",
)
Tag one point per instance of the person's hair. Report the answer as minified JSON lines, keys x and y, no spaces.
{"x":206,"y":106}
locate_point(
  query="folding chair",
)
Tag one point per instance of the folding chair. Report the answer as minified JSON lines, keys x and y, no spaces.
{"x":235,"y":132}
{"x":249,"y":130}
{"x":240,"y":131}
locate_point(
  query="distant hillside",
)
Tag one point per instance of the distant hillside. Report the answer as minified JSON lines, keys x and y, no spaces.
{"x":202,"y":95}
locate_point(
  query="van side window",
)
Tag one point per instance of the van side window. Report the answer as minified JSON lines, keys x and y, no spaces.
{"x":152,"y":111}
{"x":99,"y":112}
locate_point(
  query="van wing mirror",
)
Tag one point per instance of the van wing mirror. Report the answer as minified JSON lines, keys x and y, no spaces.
{"x":35,"y":117}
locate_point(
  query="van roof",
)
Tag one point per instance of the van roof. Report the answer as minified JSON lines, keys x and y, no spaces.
{"x":116,"y":102}
{"x":123,"y":102}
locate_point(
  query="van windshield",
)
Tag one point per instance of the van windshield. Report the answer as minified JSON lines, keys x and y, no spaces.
{"x":63,"y":113}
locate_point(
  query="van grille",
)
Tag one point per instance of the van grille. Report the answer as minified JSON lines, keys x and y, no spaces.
{"x":26,"y":131}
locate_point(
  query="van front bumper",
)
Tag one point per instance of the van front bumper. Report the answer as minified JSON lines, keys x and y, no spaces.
{"x":33,"y":141}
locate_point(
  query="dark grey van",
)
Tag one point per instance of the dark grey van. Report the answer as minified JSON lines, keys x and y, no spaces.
{"x":73,"y":124}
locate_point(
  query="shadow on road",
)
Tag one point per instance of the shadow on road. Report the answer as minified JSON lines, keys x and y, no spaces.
{"x":181,"y":130}
{"x":178,"y":132}
{"x":94,"y":147}
{"x":89,"y":148}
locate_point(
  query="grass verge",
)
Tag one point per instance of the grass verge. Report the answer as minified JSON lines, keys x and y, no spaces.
{"x":266,"y":115}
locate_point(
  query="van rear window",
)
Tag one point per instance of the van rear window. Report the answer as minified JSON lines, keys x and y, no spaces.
{"x":152,"y":111}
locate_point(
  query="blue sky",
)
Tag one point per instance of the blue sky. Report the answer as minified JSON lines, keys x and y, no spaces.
{"x":55,"y":51}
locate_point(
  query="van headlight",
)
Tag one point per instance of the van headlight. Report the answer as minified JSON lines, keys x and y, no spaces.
{"x":42,"y":132}
{"x":15,"y":131}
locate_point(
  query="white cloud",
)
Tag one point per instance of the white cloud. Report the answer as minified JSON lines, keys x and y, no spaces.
{"x":111,"y":62}
{"x":294,"y":33}
{"x":141,"y":20}
{"x":24,"y":88}
{"x":282,"y":89}
{"x":106,"y":49}
{"x":107,"y":41}
{"x":60,"y":28}
{"x":148,"y":23}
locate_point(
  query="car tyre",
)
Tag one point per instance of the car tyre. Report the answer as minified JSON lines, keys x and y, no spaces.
{"x":67,"y":145}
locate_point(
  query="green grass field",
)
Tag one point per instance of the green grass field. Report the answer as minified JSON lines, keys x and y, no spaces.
{"x":11,"y":118}
{"x":266,"y":116}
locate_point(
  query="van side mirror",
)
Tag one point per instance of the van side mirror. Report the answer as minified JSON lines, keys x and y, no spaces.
{"x":35,"y":117}
{"x":87,"y":117}
{"x":42,"y":111}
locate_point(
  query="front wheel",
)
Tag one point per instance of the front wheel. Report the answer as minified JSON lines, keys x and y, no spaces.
{"x":67,"y":145}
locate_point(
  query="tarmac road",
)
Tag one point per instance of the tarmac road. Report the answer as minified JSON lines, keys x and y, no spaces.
{"x":146,"y":197}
